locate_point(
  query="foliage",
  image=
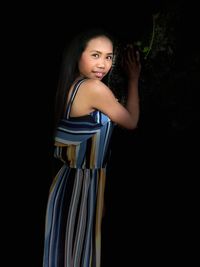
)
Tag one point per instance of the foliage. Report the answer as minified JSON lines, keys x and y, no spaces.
{"x":169,"y":75}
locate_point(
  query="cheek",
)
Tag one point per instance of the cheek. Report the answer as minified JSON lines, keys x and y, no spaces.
{"x":84,"y":63}
{"x":109,"y":65}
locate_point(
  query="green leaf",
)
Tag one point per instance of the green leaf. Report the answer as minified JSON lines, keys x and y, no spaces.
{"x":145,"y":49}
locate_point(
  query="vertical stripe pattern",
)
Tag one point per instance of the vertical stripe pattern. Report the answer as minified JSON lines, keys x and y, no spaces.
{"x":76,"y":197}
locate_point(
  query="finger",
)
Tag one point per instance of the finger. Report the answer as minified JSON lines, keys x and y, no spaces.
{"x":137,"y":56}
{"x":132,"y":56}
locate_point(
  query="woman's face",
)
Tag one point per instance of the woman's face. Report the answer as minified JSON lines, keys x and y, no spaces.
{"x":96,"y":59}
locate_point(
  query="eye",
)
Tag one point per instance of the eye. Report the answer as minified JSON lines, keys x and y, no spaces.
{"x":95,"y":55}
{"x":110,"y":57}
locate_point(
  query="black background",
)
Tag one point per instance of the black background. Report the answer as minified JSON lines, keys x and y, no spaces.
{"x":151,"y":195}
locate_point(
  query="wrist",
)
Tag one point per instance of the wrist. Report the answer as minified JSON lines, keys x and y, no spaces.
{"x":133,"y":81}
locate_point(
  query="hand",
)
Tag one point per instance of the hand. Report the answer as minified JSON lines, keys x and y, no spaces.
{"x":131,"y":62}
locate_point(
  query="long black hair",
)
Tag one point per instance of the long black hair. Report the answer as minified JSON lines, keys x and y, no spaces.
{"x":69,"y":66}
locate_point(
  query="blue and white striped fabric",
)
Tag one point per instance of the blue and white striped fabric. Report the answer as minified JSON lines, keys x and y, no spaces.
{"x":75,"y":204}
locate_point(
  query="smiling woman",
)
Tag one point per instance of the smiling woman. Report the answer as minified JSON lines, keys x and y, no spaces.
{"x":96,"y":58}
{"x":86,"y":112}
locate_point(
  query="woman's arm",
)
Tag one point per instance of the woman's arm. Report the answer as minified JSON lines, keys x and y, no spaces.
{"x":132,"y":67}
{"x":102,"y":98}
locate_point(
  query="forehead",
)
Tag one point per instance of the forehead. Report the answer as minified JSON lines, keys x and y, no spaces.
{"x":100,"y":43}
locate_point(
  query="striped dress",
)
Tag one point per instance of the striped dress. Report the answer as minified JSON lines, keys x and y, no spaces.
{"x":75,"y":203}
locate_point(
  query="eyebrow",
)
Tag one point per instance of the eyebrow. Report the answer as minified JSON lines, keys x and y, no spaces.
{"x":101,"y":52}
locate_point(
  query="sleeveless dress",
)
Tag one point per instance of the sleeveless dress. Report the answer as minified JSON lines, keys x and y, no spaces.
{"x":75,"y":203}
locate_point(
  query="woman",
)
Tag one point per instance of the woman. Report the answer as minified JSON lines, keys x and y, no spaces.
{"x":86,"y":111}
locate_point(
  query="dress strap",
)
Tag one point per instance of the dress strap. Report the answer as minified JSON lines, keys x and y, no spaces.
{"x":73,"y":94}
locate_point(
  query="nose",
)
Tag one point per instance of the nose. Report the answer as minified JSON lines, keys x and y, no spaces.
{"x":101,"y":63}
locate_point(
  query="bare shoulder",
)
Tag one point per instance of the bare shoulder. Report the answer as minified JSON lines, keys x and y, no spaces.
{"x":93,"y":82}
{"x":99,"y":96}
{"x":96,"y":87}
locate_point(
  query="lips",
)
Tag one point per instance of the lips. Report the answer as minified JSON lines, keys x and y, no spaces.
{"x":99,"y":74}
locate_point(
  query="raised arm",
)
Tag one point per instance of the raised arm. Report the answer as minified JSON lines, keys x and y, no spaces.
{"x":132,"y":67}
{"x":103,"y":99}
